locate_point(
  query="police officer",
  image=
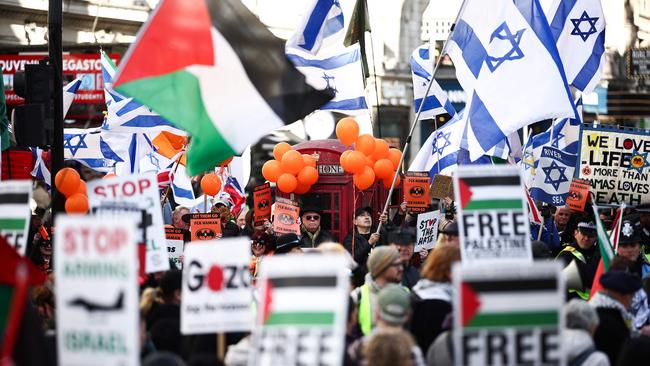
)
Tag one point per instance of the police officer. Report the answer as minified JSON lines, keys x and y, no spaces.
{"x":581,"y":256}
{"x":629,"y":246}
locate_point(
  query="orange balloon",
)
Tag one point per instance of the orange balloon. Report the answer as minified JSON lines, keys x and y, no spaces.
{"x":309,"y":160}
{"x":271,"y":170}
{"x":370,"y":162}
{"x":76,"y":204}
{"x":365,"y":144}
{"x":67,"y":181}
{"x":381,"y":149}
{"x":347,"y":131}
{"x":82,"y":188}
{"x":356,"y":161}
{"x":211,"y":184}
{"x":308,"y":176}
{"x":287,"y":183}
{"x":343,"y":160}
{"x":225,"y":162}
{"x":280,"y":149}
{"x":389,"y":181}
{"x":292,"y":162}
{"x":365,"y":179}
{"x":394,"y":155}
{"x":383,"y":169}
{"x":300,"y":189}
{"x":109,"y":175}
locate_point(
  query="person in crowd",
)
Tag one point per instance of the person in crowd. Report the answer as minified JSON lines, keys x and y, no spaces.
{"x":584,"y":254}
{"x":432,"y":311}
{"x":561,"y":218}
{"x":639,"y":308}
{"x":612,"y":304}
{"x":170,"y":293}
{"x":363,"y":238}
{"x":228,"y":226}
{"x":404,"y":241}
{"x":581,"y":321}
{"x":384,"y":267}
{"x":41,"y":254}
{"x":390,"y":315}
{"x":43,"y":299}
{"x":287,"y":244}
{"x":448,"y":234}
{"x":549,"y":233}
{"x":177,"y":218}
{"x":636,"y":351}
{"x":402,"y":218}
{"x":629,"y":246}
{"x":241,"y":218}
{"x":644,"y":224}
{"x":261,"y":244}
{"x":541,"y":250}
{"x":311,"y":230}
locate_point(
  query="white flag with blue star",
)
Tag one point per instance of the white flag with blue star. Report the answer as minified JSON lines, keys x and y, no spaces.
{"x":340,"y":72}
{"x":439,"y":153}
{"x":436,"y":102}
{"x":578,"y":28}
{"x":508,"y":63}
{"x":322,"y":26}
{"x":69,"y":92}
{"x":84,"y":146}
{"x":553,"y":176}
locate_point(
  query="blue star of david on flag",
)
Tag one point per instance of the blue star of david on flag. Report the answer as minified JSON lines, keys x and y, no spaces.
{"x":584,"y":18}
{"x":443,"y":136}
{"x":560,"y":176}
{"x":154,"y":161}
{"x":556,"y":139}
{"x":503,"y":33}
{"x":68,"y":144}
{"x":638,"y":161}
{"x":328,"y":79}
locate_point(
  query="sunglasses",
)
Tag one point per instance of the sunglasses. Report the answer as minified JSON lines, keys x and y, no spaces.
{"x":312,"y":217}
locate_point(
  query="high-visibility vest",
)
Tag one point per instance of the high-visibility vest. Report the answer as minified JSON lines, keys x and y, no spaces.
{"x":365,"y":310}
{"x":582,"y":294}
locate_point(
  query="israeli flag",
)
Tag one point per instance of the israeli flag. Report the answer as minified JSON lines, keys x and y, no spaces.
{"x":509,"y":65}
{"x":439,"y":153}
{"x":553,"y":176}
{"x":322,"y":26}
{"x":436,"y":102}
{"x":69,"y":91}
{"x":341,"y":73}
{"x":182,"y":186}
{"x":41,"y":171}
{"x":578,"y":28}
{"x":84,"y":146}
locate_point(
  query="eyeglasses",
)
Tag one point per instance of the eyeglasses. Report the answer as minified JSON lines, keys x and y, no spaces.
{"x":257,"y":243}
{"x":312,"y":217}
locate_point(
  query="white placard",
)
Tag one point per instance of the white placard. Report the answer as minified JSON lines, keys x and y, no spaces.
{"x":427,"y":230}
{"x":96,"y":291}
{"x":217,"y":294}
{"x":135,"y":197}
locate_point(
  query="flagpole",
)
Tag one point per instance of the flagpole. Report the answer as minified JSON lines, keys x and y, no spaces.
{"x":417,"y":116}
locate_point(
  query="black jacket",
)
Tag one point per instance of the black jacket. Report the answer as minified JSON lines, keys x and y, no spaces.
{"x":322,"y":237}
{"x":611,"y":334}
{"x":587,"y":269}
{"x":411,"y":276}
{"x":431,"y":311}
{"x":361,"y":245}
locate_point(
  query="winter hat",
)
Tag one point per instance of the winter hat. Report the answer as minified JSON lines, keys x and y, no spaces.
{"x":380,"y":259}
{"x":621,"y":282}
{"x":394,"y":304}
{"x":286,"y":242}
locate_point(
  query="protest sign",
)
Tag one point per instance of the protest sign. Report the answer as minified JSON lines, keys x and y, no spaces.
{"x":578,"y":195}
{"x":615,"y":161}
{"x":553,"y":175}
{"x":174,"y":238}
{"x":15,"y":213}
{"x":135,"y":197}
{"x":286,"y":217}
{"x":427,"y":230}
{"x":508,"y":314}
{"x":216,"y":294}
{"x":96,"y":291}
{"x":302,"y":311}
{"x":416,"y":191}
{"x":492,"y":216}
{"x":205,"y":226}
{"x":441,"y":187}
{"x":262,"y":204}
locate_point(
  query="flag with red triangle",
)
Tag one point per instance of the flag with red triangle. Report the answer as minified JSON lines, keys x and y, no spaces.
{"x":213,"y":69}
{"x":606,"y":245}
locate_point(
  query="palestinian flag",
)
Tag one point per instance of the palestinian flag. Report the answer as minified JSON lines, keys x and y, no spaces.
{"x":606,"y":245}
{"x":213,"y":69}
{"x":14,"y":212}
{"x":509,"y":303}
{"x":300,"y":301}
{"x":490,"y":193}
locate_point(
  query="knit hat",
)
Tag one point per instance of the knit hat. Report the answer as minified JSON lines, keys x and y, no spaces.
{"x":394,"y":303}
{"x":380,"y":259}
{"x":621,"y":282}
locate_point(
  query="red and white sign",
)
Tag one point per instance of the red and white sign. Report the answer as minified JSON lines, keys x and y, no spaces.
{"x":96,"y":291}
{"x":136,"y":197}
{"x":86,"y":66}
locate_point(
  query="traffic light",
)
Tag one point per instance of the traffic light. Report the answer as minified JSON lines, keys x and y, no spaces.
{"x":33,"y":121}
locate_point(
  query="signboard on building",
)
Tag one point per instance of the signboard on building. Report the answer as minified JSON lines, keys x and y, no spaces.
{"x":492,"y":214}
{"x":86,"y":66}
{"x":216,"y":294}
{"x":615,"y":162}
{"x":15,"y":213}
{"x":96,"y":291}
{"x":508,"y":314}
{"x":638,"y":63}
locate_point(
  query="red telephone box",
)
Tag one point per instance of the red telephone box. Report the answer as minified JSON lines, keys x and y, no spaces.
{"x":335,"y":192}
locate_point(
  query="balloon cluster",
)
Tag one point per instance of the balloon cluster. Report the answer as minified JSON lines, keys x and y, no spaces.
{"x":211,"y":184}
{"x":371,"y":158}
{"x":68,"y":182}
{"x":291,"y":171}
